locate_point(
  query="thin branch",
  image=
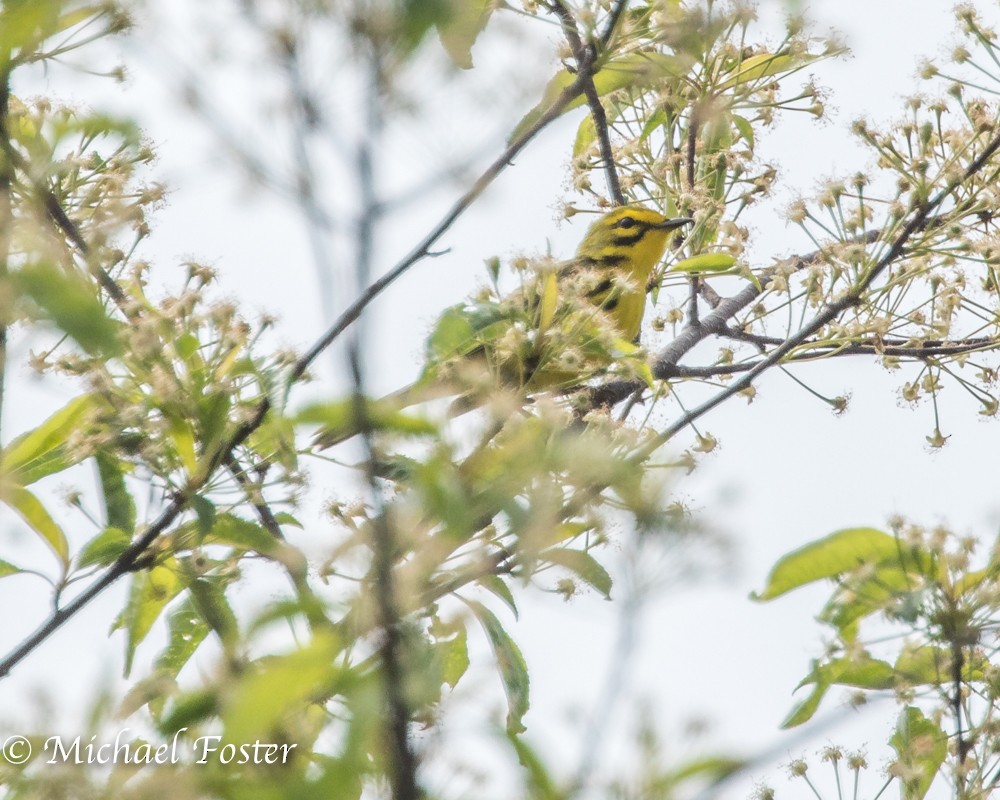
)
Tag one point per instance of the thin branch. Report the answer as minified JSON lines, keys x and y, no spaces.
{"x":692,"y":141}
{"x":402,"y":765}
{"x":716,"y":323}
{"x":586,"y":59}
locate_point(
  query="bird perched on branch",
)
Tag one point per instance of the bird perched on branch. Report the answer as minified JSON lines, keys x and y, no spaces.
{"x":564,"y":326}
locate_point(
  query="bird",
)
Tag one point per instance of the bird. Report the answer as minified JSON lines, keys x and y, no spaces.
{"x":563,"y":327}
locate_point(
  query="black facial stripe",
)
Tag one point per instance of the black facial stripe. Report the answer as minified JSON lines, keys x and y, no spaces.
{"x":611,"y":303}
{"x":631,"y":238}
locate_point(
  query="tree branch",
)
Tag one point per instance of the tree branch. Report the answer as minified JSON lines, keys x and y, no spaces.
{"x":586,"y":59}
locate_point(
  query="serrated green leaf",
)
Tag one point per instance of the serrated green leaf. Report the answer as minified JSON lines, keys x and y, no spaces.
{"x":41,"y":451}
{"x":70,"y":302}
{"x":510,"y":663}
{"x":928,"y":665}
{"x":34,"y":513}
{"x":863,"y":672}
{"x":921,"y":746}
{"x":829,"y":557}
{"x":583,"y":565}
{"x":104,"y":548}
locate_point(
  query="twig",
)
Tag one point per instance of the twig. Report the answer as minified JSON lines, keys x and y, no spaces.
{"x":586,"y":58}
{"x":692,"y":141}
{"x":402,"y":766}
{"x":716,"y":323}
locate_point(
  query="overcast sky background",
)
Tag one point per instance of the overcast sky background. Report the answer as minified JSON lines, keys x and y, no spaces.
{"x":787,"y":469}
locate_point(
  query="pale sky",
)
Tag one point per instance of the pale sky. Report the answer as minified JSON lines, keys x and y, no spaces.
{"x":787,"y":470}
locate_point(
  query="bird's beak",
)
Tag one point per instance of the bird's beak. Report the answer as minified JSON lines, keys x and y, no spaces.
{"x":677,"y":222}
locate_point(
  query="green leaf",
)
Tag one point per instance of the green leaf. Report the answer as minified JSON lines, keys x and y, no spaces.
{"x":6,"y":568}
{"x":925,"y":666}
{"x":539,"y":784}
{"x":119,"y":507}
{"x":745,"y":129}
{"x":462,"y":27}
{"x":184,"y":443}
{"x":41,"y":452}
{"x":461,"y":329}
{"x":454,"y":654}
{"x":70,"y":301}
{"x":632,"y":70}
{"x":884,"y":589}
{"x":208,"y":596}
{"x":37,"y":517}
{"x":829,"y":557}
{"x":583,"y":565}
{"x":711,"y":768}
{"x":706,"y":262}
{"x":511,"y":664}
{"x":339,"y":419}
{"x":204,"y":510}
{"x":257,"y":703}
{"x":499,"y":587}
{"x":805,"y":709}
{"x":187,"y":631}
{"x":104,"y":548}
{"x":151,"y":590}
{"x":766,"y":65}
{"x":862,"y":672}
{"x":921,"y":746}
{"x":189,"y":710}
{"x":25,"y":23}
{"x":241,"y":533}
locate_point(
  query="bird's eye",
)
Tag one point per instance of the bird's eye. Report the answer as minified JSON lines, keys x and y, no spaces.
{"x":625,"y":222}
